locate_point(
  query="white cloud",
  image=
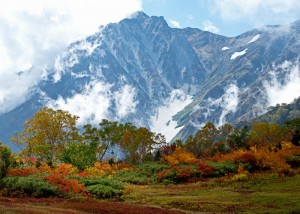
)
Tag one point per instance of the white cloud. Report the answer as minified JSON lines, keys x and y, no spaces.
{"x":33,"y":32}
{"x":175,"y":23}
{"x":71,"y":57}
{"x":258,"y":10}
{"x":230,"y":101}
{"x":125,"y":101}
{"x":209,"y":26}
{"x":283,"y":92}
{"x":91,"y":105}
{"x":14,"y":89}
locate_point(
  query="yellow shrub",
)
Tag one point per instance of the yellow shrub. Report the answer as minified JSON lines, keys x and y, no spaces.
{"x":180,"y":156}
{"x":101,"y":169}
{"x":271,"y":160}
{"x":65,"y":169}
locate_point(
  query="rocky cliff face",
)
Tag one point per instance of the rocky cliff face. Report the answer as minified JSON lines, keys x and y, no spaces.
{"x":171,"y":80}
{"x":247,"y":74}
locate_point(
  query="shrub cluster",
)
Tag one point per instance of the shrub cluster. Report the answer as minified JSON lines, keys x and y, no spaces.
{"x":28,"y":187}
{"x":75,"y":165}
{"x":103,"y":188}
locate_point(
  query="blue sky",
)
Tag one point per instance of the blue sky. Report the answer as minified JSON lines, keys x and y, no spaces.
{"x":225,"y":17}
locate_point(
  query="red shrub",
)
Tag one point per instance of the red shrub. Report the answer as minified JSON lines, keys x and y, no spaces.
{"x":83,"y":174}
{"x":162,"y":175}
{"x":205,"y":168}
{"x":123,"y":166}
{"x":246,"y":157}
{"x":177,"y":174}
{"x":64,"y":184}
{"x":21,"y":172}
{"x":184,"y":173}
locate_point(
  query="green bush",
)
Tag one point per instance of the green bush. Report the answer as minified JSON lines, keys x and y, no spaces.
{"x":224,"y":168}
{"x":151,"y":169}
{"x":103,"y":188}
{"x":79,"y":154}
{"x":28,"y":186}
{"x":103,"y":181}
{"x":143,"y":174}
{"x":133,"y":177}
{"x":5,"y":159}
{"x":102,"y":191}
{"x":178,"y":174}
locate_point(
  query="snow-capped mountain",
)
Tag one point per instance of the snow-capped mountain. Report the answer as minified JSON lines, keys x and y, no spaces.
{"x":248,"y":73}
{"x":171,"y":80}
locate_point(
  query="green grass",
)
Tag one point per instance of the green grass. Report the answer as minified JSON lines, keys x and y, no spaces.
{"x":258,"y":194}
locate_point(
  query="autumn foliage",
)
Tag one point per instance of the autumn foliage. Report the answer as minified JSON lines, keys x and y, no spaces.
{"x":179,"y":156}
{"x":65,"y":184}
{"x":60,"y":158}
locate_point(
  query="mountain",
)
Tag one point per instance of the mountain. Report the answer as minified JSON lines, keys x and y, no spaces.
{"x":245,"y":75}
{"x":171,"y":80}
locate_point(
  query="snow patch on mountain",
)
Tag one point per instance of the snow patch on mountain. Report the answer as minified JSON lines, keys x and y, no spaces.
{"x":225,"y":48}
{"x":162,"y":121}
{"x":285,"y":91}
{"x":238,"y":54}
{"x":254,"y":39}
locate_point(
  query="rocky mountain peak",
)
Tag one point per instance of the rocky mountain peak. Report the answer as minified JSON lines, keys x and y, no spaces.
{"x":173,"y":81}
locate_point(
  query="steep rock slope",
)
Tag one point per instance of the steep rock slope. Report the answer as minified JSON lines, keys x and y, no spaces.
{"x":246,"y":73}
{"x":142,"y":71}
{"x":124,"y":72}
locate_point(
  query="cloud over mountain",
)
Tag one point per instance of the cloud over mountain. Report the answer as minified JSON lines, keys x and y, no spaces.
{"x":34,"y":32}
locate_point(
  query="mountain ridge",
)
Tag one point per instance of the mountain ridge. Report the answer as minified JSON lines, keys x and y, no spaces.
{"x":141,"y":70}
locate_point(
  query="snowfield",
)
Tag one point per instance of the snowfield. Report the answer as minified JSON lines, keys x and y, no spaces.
{"x":162,"y":121}
{"x":237,"y":54}
{"x":254,"y":38}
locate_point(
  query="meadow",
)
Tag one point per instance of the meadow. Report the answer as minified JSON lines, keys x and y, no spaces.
{"x":258,"y":193}
{"x":218,"y":170}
